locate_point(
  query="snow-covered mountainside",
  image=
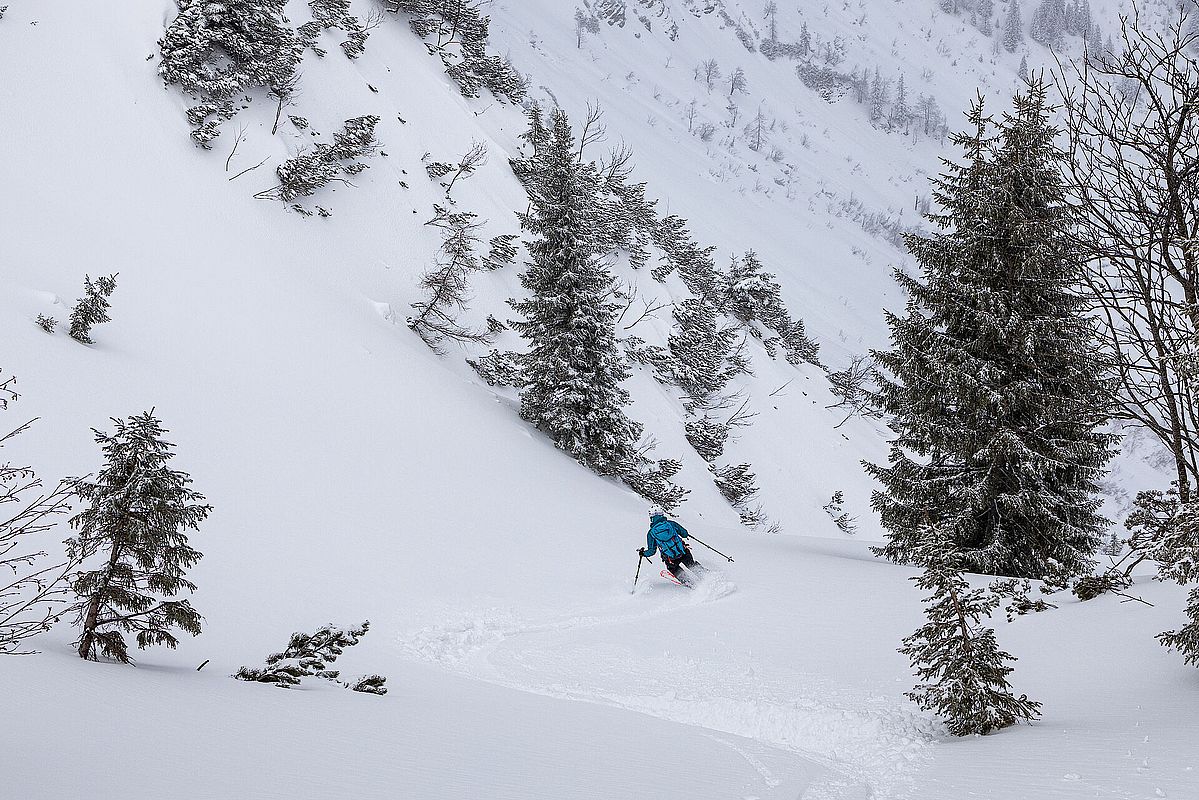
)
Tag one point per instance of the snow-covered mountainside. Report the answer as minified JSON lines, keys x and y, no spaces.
{"x":357,"y":474}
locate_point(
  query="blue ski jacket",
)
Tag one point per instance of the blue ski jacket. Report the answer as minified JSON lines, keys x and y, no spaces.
{"x":665,"y":534}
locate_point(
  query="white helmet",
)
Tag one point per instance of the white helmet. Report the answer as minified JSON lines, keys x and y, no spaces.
{"x":656,"y":511}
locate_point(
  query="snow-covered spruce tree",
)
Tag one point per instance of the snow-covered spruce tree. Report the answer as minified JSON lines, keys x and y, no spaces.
{"x":304,"y":173}
{"x":962,"y":671}
{"x":92,"y":308}
{"x":447,"y":284}
{"x":573,"y":370}
{"x":993,"y":386}
{"x":1049,"y":23}
{"x":1013,"y":27}
{"x":32,"y":591}
{"x":214,"y":51}
{"x":136,"y":521}
{"x":309,"y":655}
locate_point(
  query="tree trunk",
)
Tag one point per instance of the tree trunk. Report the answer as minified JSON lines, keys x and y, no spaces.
{"x":90,"y":620}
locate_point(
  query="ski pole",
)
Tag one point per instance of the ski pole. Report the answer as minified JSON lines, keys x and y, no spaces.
{"x":638,"y":575}
{"x":713,"y":549}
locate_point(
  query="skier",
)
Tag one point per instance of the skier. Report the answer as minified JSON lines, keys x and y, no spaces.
{"x":667,"y":535}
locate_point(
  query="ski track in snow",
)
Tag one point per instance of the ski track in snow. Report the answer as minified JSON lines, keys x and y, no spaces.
{"x":872,"y":745}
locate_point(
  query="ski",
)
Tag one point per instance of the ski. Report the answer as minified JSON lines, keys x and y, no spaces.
{"x":668,"y":576}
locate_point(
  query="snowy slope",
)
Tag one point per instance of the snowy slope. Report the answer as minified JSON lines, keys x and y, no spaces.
{"x":356,"y":475}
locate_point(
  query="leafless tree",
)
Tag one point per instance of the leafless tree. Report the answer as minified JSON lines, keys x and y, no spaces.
{"x":1133,"y":121}
{"x":709,"y":72}
{"x":474,"y":158}
{"x":593,"y":130}
{"x":285,"y":94}
{"x":33,"y":595}
{"x":447,"y":284}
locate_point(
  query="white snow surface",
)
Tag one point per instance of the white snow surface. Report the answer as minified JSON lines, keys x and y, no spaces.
{"x":356,"y":475}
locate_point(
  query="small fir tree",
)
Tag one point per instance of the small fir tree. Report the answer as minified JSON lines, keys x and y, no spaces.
{"x":997,"y":394}
{"x":962,"y":671}
{"x":753,"y":295}
{"x":139,"y":509}
{"x":501,"y":251}
{"x":92,"y":308}
{"x":705,"y":352}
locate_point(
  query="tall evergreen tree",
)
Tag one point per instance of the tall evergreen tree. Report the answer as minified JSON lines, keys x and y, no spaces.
{"x":962,"y":671}
{"x":1049,"y":23}
{"x":1013,"y":27}
{"x":574,"y":369}
{"x":139,"y":510}
{"x":996,"y":395}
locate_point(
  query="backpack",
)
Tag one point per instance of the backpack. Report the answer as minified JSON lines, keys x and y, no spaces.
{"x":669,"y":542}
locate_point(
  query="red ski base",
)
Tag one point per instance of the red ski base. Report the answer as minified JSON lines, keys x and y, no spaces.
{"x":668,"y":576}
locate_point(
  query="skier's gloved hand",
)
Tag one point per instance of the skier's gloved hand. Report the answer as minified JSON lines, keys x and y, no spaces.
{"x":641,"y":552}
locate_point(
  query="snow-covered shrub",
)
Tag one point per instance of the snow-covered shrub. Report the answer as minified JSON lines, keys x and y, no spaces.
{"x":707,"y":436}
{"x":457,"y":31}
{"x":302,"y":174}
{"x":501,"y":251}
{"x":752,"y":295}
{"x":310,"y":655}
{"x":46,"y":323}
{"x":835,"y":509}
{"x":216,"y":51}
{"x":652,"y":480}
{"x":330,"y":14}
{"x":498,"y":369}
{"x":1091,"y":586}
